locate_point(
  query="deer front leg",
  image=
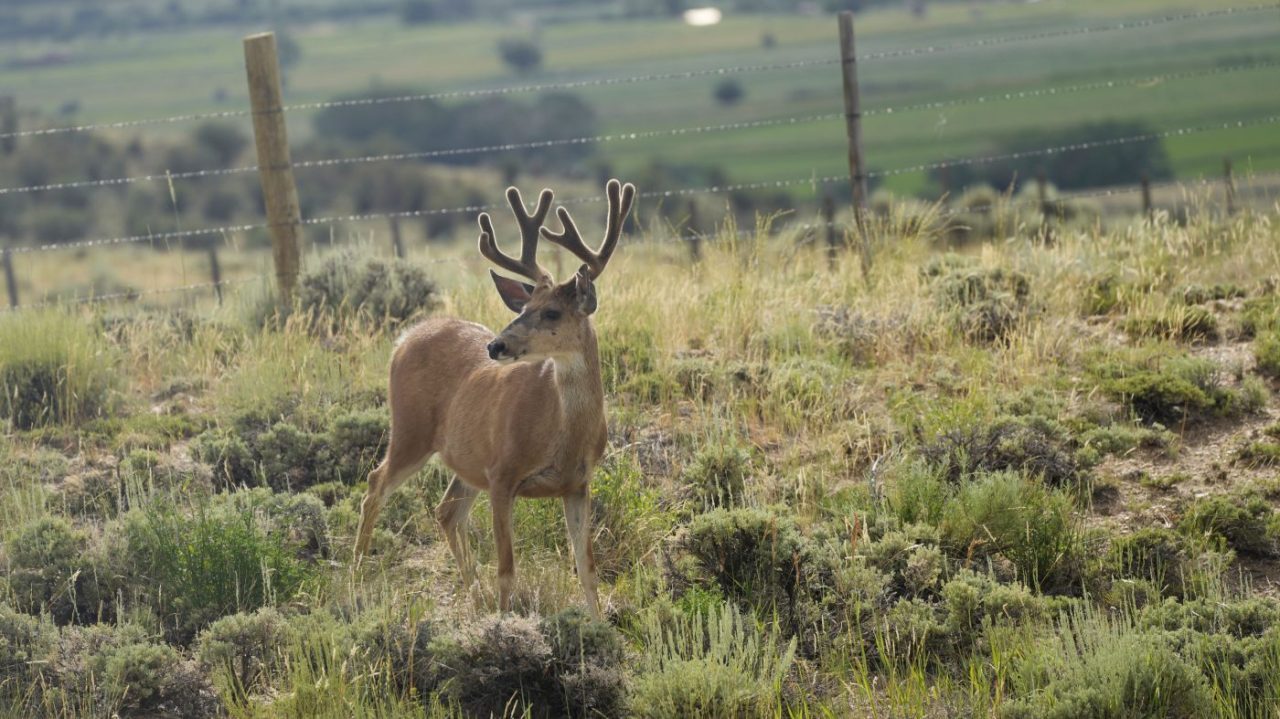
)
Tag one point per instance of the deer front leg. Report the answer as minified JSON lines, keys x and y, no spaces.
{"x":399,"y":465}
{"x":502,"y":504}
{"x":452,"y":514}
{"x":577,"y":519}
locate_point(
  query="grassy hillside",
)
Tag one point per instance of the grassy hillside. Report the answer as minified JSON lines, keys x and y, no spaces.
{"x":119,"y":78}
{"x":1027,"y":480}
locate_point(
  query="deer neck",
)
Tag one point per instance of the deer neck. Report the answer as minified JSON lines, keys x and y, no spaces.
{"x":579,"y":380}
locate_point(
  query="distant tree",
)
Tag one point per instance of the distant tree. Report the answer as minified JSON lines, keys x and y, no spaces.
{"x":223,"y":141}
{"x":1116,"y":165}
{"x":419,"y":12}
{"x":729,"y":92}
{"x":520,"y":54}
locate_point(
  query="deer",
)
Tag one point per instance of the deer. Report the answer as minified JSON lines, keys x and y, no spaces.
{"x":517,"y":414}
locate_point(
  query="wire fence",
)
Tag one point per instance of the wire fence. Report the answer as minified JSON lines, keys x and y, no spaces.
{"x":641,"y":135}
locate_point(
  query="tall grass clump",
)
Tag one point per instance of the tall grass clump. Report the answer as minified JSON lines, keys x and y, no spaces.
{"x":714,"y":664}
{"x":53,"y":369}
{"x":218,"y":559}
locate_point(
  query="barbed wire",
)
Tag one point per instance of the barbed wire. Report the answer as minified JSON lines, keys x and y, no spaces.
{"x":682,"y":192}
{"x":666,"y":76}
{"x":133,"y":294}
{"x":612,"y":137}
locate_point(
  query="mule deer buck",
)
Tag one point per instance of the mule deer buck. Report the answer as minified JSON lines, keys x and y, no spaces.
{"x":520,"y":414}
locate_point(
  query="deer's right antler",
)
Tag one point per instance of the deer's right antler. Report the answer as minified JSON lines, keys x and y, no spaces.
{"x":530,"y":223}
{"x":620,"y":198}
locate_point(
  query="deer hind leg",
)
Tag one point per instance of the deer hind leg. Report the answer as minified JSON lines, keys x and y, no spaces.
{"x":452,"y":514}
{"x":577,"y":519}
{"x":502,"y":504}
{"x":403,"y":460}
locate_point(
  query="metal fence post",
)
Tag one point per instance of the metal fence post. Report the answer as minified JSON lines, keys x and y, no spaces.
{"x":853,"y":129}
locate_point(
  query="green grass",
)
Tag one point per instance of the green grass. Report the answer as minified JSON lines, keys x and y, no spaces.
{"x":823,"y":496}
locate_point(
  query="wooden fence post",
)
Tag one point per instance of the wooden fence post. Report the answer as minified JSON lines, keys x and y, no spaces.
{"x":694,"y":240}
{"x":274,"y":166}
{"x":8,"y":123}
{"x":215,"y":273}
{"x":1230,"y":183}
{"x":1147,"y":210}
{"x":6,"y":258}
{"x":1042,"y":192}
{"x":829,"y":222}
{"x":853,"y":129}
{"x":397,"y":242}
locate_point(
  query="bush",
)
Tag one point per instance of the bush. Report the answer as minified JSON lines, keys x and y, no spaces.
{"x":728,"y":92}
{"x":504,"y":666}
{"x":712,"y":664}
{"x":115,"y":671}
{"x":51,"y":571}
{"x":975,"y":602}
{"x":247,"y":647}
{"x":983,"y":304}
{"x":1032,"y":526}
{"x":1156,"y":555}
{"x":1003,"y":445}
{"x":53,"y":369}
{"x":1266,"y":351}
{"x":519,"y":54}
{"x":1128,"y":677}
{"x":1172,"y":388}
{"x":1244,"y":523}
{"x":402,"y":652}
{"x":756,"y":557}
{"x":587,"y":657}
{"x":717,"y":475}
{"x":346,"y":287}
{"x":218,"y":560}
{"x":26,"y":643}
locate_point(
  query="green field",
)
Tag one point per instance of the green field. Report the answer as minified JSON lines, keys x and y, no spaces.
{"x":138,"y":76}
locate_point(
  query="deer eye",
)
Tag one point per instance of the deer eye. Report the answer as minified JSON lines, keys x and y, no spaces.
{"x":551,"y":315}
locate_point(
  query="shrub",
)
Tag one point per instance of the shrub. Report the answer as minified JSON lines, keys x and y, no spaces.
{"x":26,"y":643}
{"x":728,"y":92}
{"x":717,"y":475}
{"x":520,"y":54}
{"x":1032,"y":526}
{"x":1128,"y":676}
{"x":756,"y":557}
{"x":1266,"y":351}
{"x":218,"y":560}
{"x":247,"y":647}
{"x":1172,"y":388}
{"x":983,"y":304}
{"x":1003,"y":445}
{"x":587,"y":657}
{"x":1259,"y":454}
{"x":346,"y":287}
{"x":1245,"y":523}
{"x":232,"y":461}
{"x":116,"y":671}
{"x":401,"y":651}
{"x":51,"y":571}
{"x":712,"y":664}
{"x":974,"y":602}
{"x":503,"y":666}
{"x":53,"y":369}
{"x":1157,"y":555}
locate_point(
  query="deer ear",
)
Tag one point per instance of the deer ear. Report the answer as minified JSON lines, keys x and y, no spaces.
{"x":514,"y":294}
{"x":585,"y":291}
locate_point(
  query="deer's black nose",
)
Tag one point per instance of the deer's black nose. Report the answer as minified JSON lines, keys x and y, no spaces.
{"x":496,"y":348}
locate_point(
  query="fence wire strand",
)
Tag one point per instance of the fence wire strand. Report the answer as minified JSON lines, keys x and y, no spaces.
{"x":682,"y":192}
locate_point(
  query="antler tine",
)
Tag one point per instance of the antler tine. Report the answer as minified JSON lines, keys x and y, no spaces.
{"x":620,"y":199}
{"x":530,"y":223}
